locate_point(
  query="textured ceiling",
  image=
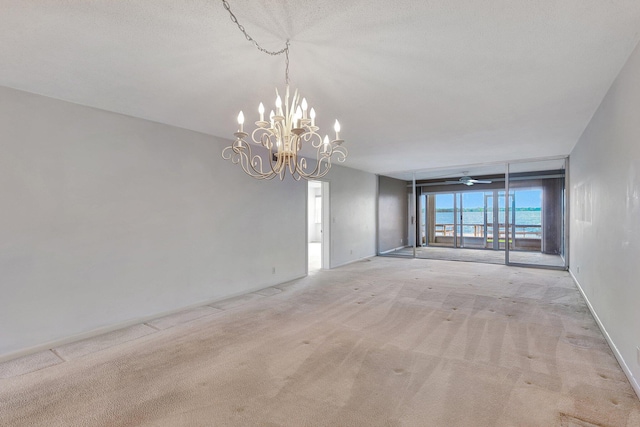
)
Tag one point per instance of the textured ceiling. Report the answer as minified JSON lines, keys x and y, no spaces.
{"x":416,"y":84}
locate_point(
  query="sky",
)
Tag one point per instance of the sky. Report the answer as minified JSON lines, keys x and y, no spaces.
{"x":475,"y":199}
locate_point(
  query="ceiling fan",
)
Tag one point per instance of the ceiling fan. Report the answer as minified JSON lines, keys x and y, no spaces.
{"x":467,"y":180}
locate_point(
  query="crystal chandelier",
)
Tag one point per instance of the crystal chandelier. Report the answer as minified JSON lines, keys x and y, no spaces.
{"x":290,"y":128}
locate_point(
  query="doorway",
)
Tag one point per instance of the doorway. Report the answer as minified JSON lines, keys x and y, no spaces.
{"x":317,"y":227}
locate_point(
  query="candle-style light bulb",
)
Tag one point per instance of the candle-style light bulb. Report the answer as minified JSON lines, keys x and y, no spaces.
{"x":304,"y":108}
{"x":279,"y":105}
{"x":240,"y":121}
{"x":271,"y":114}
{"x":297,"y":117}
{"x":336,"y":127}
{"x":312,"y":113}
{"x":326,"y":144}
{"x":261,"y":111}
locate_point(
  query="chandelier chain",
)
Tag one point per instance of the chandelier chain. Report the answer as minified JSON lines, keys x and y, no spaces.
{"x":284,"y":50}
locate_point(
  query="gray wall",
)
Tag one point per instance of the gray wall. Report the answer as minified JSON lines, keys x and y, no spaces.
{"x":392,"y":213}
{"x":605,"y":215}
{"x":352,"y":200}
{"x":108,"y":219}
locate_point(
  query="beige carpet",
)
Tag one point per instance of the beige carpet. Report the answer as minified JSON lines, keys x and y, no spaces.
{"x":386,"y":342}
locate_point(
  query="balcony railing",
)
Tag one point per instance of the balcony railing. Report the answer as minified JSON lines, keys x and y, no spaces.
{"x":519,"y":231}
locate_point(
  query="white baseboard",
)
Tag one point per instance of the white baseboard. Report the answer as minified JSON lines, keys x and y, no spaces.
{"x":394,"y":249}
{"x":616,"y":352}
{"x":353,"y":261}
{"x":114,"y":327}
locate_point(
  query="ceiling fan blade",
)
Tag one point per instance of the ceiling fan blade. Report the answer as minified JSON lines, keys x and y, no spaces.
{"x":468,"y":181}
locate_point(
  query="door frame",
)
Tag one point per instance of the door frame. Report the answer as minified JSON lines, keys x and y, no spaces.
{"x":325,"y":226}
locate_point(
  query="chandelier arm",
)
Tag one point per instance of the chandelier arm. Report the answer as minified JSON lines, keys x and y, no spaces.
{"x":324,"y":164}
{"x":310,"y":174}
{"x":240,"y":153}
{"x":342,"y":153}
{"x":262,"y":136}
{"x":324,"y":158}
{"x":293,"y":166}
{"x":313,"y":137}
{"x":315,"y":173}
{"x":277,"y":166}
{"x":267,"y":142}
{"x":318,"y":171}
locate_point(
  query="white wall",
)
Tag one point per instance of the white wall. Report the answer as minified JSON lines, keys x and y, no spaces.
{"x":314,"y":231}
{"x":106,"y":219}
{"x":352,"y":200}
{"x":605,"y":215}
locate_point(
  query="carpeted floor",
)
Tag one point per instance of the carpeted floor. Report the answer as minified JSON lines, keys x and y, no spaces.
{"x":385,"y":342}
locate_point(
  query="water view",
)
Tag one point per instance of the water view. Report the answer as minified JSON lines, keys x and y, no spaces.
{"x":523,"y":217}
{"x":527,"y":203}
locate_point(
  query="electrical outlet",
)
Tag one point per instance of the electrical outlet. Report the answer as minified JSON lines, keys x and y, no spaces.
{"x":351,"y":252}
{"x":273,"y":270}
{"x":578,"y":269}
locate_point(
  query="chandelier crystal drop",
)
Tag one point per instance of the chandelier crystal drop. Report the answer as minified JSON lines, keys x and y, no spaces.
{"x":280,"y":141}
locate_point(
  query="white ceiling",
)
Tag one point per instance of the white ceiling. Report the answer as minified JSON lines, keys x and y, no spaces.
{"x":416,"y":84}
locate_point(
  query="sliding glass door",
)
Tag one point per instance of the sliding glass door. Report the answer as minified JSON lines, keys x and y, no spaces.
{"x":472,"y":214}
{"x":516,"y":217}
{"x":538,"y":226}
{"x":445,"y":226}
{"x":495,"y":220}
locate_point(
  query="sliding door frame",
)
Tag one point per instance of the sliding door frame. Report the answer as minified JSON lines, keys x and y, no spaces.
{"x":565,"y":221}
